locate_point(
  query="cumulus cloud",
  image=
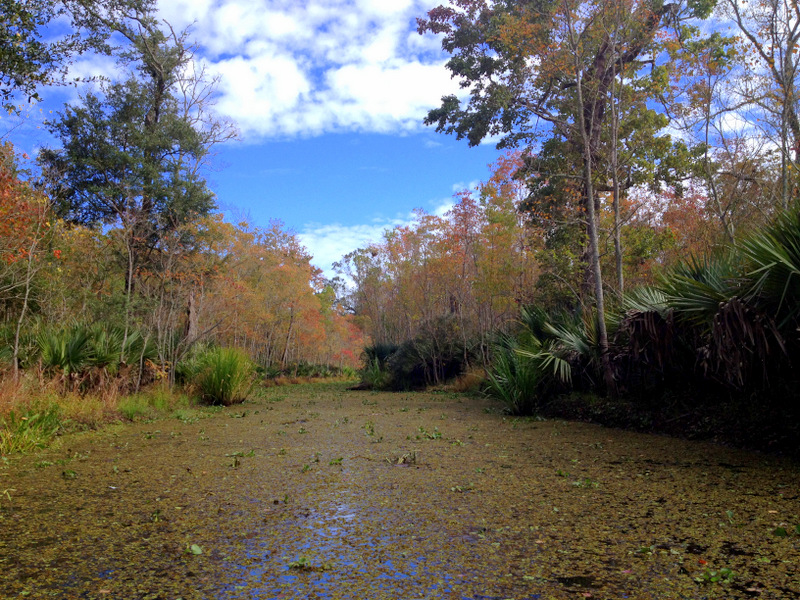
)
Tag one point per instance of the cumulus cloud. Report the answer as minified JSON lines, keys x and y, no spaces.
{"x":308,"y":67}
{"x":329,"y":243}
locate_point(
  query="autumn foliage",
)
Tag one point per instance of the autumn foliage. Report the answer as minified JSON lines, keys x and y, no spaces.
{"x":204,"y":283}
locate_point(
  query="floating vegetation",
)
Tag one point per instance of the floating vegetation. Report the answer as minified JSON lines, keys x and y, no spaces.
{"x":242,"y":509}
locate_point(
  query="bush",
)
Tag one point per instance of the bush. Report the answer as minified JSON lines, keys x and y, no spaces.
{"x":514,"y":379}
{"x":374,"y":375}
{"x":220,"y":375}
{"x":436,"y":355}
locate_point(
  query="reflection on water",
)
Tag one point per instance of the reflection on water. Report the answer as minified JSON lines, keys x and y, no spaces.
{"x":337,"y":552}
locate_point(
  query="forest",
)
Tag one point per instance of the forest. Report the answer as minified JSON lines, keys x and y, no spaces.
{"x":634,"y":252}
{"x":472,"y":406}
{"x":121,"y":282}
{"x":633,"y":258}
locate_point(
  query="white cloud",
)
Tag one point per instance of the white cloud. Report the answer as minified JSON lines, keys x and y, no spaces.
{"x":444,"y":207}
{"x":94,"y":66}
{"x":307,"y":67}
{"x":460,"y":186}
{"x":733,"y":122}
{"x":329,"y":243}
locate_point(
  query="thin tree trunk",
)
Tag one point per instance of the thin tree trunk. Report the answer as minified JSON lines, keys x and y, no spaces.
{"x":615,"y":185}
{"x":591,"y":217}
{"x":29,"y":271}
{"x":285,"y":356}
{"x":128,"y":294}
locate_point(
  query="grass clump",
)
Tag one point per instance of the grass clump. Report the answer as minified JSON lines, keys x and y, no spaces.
{"x":221,"y":375}
{"x":29,"y":430}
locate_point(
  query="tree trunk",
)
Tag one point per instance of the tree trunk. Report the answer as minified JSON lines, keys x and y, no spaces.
{"x":29,"y":271}
{"x":586,"y":128}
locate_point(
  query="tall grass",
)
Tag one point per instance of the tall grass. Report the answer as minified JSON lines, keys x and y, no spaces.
{"x":29,"y":430}
{"x":220,"y":375}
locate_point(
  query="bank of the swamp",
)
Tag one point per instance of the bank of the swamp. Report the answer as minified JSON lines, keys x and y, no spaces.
{"x":317,"y":492}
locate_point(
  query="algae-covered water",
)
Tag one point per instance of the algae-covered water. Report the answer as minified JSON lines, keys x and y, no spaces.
{"x":319,"y":492}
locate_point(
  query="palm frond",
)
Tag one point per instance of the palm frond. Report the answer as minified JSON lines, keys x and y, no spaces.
{"x":696,"y":289}
{"x":772,"y":258}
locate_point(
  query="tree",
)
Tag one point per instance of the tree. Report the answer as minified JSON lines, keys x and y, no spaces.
{"x":533,"y":62}
{"x":25,"y":225}
{"x":452,"y":281}
{"x":132,"y":157}
{"x":772,"y":32}
{"x":30,"y":58}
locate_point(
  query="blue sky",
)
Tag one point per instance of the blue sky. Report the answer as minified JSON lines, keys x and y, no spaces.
{"x":329,"y":98}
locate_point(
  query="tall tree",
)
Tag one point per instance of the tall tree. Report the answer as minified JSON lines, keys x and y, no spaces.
{"x":534,"y":62}
{"x":132,"y":155}
{"x":772,"y":32}
{"x":25,"y":226}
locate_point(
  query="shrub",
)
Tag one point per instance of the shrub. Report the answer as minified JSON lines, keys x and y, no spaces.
{"x":374,"y":375}
{"x":436,"y":355}
{"x":221,"y":375}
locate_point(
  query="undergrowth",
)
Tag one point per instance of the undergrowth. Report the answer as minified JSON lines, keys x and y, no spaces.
{"x":33,"y":412}
{"x":29,"y":430}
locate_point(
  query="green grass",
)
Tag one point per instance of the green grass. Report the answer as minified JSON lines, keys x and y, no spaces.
{"x":28,"y":431}
{"x":222,"y":376}
{"x":152,"y":404}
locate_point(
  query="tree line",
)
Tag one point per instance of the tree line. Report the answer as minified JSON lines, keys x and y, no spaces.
{"x":116,"y":236}
{"x":652,"y":176}
{"x":608,"y":96}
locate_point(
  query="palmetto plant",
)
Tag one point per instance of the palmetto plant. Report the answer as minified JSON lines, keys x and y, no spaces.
{"x":106,"y":345}
{"x":695,"y":289}
{"x":110,"y":346}
{"x":772,"y":266}
{"x":738,"y":311}
{"x":65,"y":352}
{"x":515,"y":376}
{"x":562,"y":343}
{"x":91,"y":356}
{"x":544,"y":357}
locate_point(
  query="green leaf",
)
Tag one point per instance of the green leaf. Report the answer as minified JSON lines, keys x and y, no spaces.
{"x":195,"y":549}
{"x":780,"y":532}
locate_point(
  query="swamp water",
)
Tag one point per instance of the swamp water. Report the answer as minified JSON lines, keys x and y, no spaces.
{"x":318,"y":492}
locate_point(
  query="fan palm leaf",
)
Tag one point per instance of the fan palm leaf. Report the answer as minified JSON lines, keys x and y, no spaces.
{"x":772,"y":259}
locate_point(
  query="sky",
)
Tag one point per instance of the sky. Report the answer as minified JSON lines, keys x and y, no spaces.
{"x":329,"y":98}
